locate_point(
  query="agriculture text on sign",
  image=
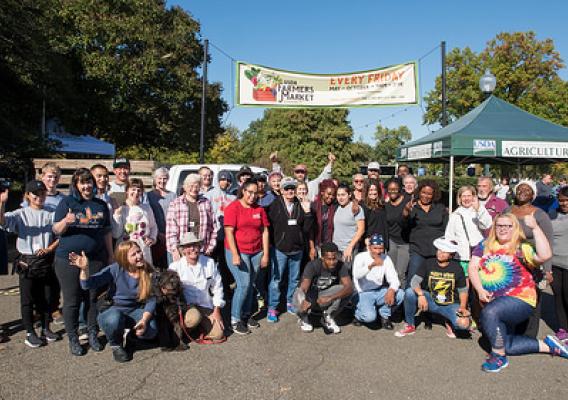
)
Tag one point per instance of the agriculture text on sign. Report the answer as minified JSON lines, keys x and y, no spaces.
{"x":529,"y":149}
{"x":269,"y":87}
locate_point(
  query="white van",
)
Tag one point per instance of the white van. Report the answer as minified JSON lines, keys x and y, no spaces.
{"x":179,"y":172}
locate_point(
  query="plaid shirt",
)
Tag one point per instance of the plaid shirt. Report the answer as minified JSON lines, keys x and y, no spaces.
{"x":177,"y":221}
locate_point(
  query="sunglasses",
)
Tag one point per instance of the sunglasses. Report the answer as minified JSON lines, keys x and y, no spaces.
{"x":358,"y":181}
{"x":299,"y":171}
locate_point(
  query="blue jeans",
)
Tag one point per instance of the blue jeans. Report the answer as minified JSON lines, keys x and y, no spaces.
{"x":411,"y":305}
{"x":368,"y":302}
{"x":115,"y":320}
{"x":414,"y":263}
{"x":498,"y":321}
{"x":281,"y":262}
{"x":245,"y":275}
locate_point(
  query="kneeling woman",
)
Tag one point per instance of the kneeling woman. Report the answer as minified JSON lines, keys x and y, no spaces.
{"x":500,"y":270}
{"x":133,"y":305}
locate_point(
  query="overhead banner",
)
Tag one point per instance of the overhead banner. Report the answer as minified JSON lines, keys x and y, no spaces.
{"x":269,"y":87}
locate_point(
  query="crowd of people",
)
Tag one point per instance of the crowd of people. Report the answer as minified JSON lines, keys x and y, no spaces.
{"x":274,"y":244}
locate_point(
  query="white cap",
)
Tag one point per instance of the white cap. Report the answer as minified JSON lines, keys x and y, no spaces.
{"x":446,"y":245}
{"x":531,"y":184}
{"x":373,"y":165}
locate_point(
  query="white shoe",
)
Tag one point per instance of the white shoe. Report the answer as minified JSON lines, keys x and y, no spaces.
{"x":305,"y":325}
{"x":330,"y":325}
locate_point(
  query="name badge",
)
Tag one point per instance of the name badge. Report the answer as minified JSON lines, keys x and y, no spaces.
{"x":191,"y":224}
{"x":256,"y":216}
{"x":292,"y":222}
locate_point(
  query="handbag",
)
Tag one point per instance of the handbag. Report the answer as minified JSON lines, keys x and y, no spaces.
{"x":33,"y":266}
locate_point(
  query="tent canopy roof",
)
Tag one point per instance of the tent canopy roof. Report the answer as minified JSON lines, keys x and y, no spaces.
{"x":481,"y":133}
{"x":84,"y":144}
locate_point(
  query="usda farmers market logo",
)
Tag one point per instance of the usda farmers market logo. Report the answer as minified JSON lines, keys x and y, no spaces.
{"x":271,"y":87}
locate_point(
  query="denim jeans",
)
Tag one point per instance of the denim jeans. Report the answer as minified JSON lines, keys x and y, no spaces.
{"x":367,"y":303}
{"x":411,"y":305}
{"x":414,"y":263}
{"x":245,"y":275}
{"x":332,"y":308}
{"x":280,"y":263}
{"x":498,"y":321}
{"x":399,"y":254}
{"x":115,"y":320}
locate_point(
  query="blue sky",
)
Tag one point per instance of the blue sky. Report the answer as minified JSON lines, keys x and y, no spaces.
{"x":341,"y":36}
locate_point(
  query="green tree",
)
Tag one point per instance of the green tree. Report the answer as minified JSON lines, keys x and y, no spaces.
{"x":226,"y":148}
{"x":527,"y":76}
{"x":301,"y":136}
{"x":139,"y":81}
{"x":387,"y":142}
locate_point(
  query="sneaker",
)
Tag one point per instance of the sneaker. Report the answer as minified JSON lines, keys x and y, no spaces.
{"x":305,"y":324}
{"x":329,"y":324}
{"x":406,"y":331}
{"x":253,"y":323}
{"x":50,"y":336}
{"x":494,"y":363}
{"x":57,"y":318}
{"x":120,"y":354}
{"x":562,"y":335}
{"x":557,"y":348}
{"x":3,"y":335}
{"x":94,"y":342}
{"x":272,"y":315}
{"x":240,"y":328}
{"x":387,"y":324}
{"x":75,"y":347}
{"x":83,"y":333}
{"x":33,"y":341}
{"x":290,"y":309}
{"x":450,"y":332}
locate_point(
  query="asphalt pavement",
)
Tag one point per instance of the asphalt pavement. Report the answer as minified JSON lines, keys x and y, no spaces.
{"x":276,"y":361}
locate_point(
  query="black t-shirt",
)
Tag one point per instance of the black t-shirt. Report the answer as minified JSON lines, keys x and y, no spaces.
{"x":376,"y":222}
{"x":425,"y":227}
{"x":323,"y":278}
{"x":92,"y":223}
{"x":442,"y":283}
{"x":397,"y":225}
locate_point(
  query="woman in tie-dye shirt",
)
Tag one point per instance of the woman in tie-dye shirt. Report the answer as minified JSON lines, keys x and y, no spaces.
{"x":500,"y":270}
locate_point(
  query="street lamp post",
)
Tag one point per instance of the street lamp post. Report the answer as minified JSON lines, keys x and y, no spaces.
{"x":487,"y":85}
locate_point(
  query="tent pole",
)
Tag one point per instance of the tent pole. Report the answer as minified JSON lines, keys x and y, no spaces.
{"x":451,"y":188}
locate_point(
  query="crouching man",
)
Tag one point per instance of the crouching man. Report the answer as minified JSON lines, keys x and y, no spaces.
{"x":202,"y":289}
{"x":325,"y":287}
{"x":377,"y":284}
{"x":439,"y":286}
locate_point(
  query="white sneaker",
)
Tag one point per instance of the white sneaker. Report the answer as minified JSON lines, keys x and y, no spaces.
{"x":330,"y":325}
{"x":305,"y":325}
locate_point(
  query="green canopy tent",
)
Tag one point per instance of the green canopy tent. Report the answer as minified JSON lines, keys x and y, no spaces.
{"x":494,"y":132}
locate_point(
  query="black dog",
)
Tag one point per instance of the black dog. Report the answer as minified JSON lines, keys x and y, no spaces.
{"x":170,"y":302}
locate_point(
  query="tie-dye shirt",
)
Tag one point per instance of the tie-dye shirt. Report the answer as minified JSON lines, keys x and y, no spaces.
{"x":504,"y":274}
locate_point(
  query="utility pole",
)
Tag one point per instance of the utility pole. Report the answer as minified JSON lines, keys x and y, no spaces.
{"x":444,"y":99}
{"x":203,"y":106}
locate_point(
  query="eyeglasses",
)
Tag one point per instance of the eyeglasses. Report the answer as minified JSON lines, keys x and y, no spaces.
{"x":373,"y":170}
{"x":299,"y":171}
{"x":289,"y":188}
{"x":358,"y":180}
{"x":504,"y":226}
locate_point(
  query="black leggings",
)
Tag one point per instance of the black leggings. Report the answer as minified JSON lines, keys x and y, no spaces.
{"x":73,"y":294}
{"x":560,"y":289}
{"x":34,"y":293}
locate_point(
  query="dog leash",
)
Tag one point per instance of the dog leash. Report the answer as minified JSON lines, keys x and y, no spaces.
{"x":182,"y":324}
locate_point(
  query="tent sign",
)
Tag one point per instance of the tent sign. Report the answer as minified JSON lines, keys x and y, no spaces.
{"x":270,"y":87}
{"x":485,"y":147}
{"x":420,"y":151}
{"x":531,"y":149}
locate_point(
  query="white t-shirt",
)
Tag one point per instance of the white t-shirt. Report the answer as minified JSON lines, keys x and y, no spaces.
{"x":34,"y":228}
{"x":366,"y":279}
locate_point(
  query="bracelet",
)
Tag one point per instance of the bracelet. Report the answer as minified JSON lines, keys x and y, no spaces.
{"x":421,"y":295}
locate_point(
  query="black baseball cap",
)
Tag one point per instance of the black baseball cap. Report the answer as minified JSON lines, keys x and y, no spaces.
{"x":35,"y":186}
{"x":121,"y":162}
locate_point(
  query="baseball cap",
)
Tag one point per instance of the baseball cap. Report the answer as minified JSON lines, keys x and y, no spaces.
{"x":245,"y":170}
{"x":376,"y":240}
{"x":374,"y":165}
{"x":188,"y":238}
{"x":225,"y":175}
{"x":446,"y":245}
{"x":35,"y":186}
{"x":288,"y":182}
{"x":122,"y":161}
